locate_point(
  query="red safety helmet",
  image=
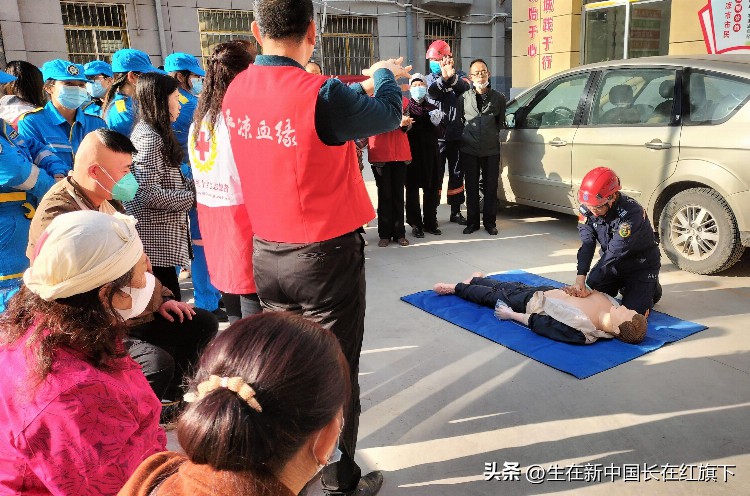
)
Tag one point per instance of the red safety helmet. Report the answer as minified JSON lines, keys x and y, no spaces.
{"x":598,"y":185}
{"x":438,"y":49}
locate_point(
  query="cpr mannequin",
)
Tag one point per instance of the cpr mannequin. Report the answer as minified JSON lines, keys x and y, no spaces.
{"x":552,"y":312}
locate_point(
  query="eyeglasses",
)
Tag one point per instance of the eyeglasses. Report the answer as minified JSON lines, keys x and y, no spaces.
{"x":479,"y":74}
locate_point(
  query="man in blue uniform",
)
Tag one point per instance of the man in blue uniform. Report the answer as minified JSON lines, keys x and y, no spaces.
{"x":61,"y":123}
{"x":119,"y":111}
{"x":630,"y":259}
{"x":26,"y":170}
{"x":99,"y":74}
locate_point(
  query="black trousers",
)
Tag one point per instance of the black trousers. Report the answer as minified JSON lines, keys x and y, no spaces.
{"x":390,"y":180}
{"x":168,"y":277}
{"x":168,"y":351}
{"x":323,"y":282}
{"x":426,"y":216}
{"x":450,"y":156}
{"x":489,"y":169}
{"x":239,"y":306}
{"x":640,"y":289}
{"x":485,"y":291}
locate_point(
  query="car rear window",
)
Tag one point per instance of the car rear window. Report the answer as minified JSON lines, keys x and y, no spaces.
{"x":714,"y":98}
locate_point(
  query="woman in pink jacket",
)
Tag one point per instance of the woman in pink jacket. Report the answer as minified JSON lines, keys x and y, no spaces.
{"x":77,"y":414}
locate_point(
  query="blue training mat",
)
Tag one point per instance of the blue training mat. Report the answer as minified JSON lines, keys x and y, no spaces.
{"x":581,"y":361}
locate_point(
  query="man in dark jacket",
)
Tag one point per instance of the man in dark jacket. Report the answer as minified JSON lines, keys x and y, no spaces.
{"x":439,"y":91}
{"x":630,"y":260}
{"x":482,"y":110}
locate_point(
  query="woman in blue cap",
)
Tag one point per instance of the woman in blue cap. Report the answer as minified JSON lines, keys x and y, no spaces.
{"x":99,"y":74}
{"x":22,"y":184}
{"x":118,"y":104}
{"x":187,"y":71}
{"x":189,"y":74}
{"x":61,"y":123}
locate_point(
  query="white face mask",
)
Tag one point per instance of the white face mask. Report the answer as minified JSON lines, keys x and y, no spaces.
{"x":139,"y":297}
{"x":481,"y":86}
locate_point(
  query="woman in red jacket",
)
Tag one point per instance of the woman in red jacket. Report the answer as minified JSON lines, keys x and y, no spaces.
{"x":389,"y":155}
{"x":78,"y":415}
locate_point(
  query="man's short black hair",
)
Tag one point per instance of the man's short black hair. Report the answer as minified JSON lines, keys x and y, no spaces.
{"x":476,"y":61}
{"x":114,"y":141}
{"x":283,"y":19}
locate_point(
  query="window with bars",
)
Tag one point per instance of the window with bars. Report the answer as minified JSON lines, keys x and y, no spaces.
{"x":219,"y":26}
{"x":94,"y":31}
{"x":446,"y":30}
{"x":348,"y":44}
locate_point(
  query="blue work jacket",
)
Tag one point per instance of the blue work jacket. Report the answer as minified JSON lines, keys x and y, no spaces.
{"x":120,"y":115}
{"x":48,"y":126}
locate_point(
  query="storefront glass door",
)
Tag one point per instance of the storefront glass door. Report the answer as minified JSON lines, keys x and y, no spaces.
{"x":619,"y":29}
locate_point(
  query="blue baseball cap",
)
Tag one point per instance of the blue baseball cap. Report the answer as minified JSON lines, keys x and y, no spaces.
{"x":130,"y":59}
{"x":179,"y":61}
{"x":6,"y":78}
{"x":97,"y":67}
{"x":63,"y":70}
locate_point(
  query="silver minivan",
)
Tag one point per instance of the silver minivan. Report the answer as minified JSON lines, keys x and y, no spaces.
{"x":675,"y":129}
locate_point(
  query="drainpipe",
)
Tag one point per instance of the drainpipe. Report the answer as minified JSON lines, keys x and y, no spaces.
{"x":409,"y":35}
{"x":160,"y":27}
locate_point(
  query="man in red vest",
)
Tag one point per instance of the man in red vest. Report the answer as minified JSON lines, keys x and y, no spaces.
{"x":292,"y":137}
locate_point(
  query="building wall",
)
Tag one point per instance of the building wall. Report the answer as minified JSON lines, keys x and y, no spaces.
{"x":685,"y":37}
{"x":33,"y":30}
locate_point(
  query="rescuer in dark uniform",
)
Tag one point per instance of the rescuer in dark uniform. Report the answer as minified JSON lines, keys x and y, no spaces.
{"x":630,"y":258}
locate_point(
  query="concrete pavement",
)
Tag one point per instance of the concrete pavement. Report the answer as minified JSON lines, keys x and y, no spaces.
{"x":439,"y":403}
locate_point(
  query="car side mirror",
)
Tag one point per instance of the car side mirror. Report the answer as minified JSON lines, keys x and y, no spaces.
{"x":510,"y":121}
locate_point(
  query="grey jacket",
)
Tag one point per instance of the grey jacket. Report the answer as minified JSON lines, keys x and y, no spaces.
{"x":482,"y":126}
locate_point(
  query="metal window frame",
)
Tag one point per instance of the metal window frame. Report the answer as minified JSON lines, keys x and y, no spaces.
{"x":95,"y":29}
{"x":231,"y":34}
{"x":605,"y":4}
{"x":351,"y":63}
{"x":454,"y":40}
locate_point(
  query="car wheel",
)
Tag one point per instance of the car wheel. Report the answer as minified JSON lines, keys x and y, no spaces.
{"x":699,"y":233}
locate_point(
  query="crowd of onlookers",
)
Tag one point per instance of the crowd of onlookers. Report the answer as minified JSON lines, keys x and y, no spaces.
{"x":116,"y":177}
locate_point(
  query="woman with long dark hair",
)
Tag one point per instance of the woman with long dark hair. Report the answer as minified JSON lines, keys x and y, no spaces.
{"x":265,"y":415}
{"x":78,"y":415}
{"x":22,"y":95}
{"x":228,"y":245}
{"x":164,"y":195}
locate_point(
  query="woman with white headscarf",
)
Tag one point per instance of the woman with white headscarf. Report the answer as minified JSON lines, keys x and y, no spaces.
{"x":78,"y":415}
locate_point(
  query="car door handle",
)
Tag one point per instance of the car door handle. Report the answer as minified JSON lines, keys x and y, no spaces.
{"x":657,"y":144}
{"x":558,"y":142}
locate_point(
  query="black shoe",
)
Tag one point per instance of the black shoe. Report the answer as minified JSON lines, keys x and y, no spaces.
{"x":458,"y":219}
{"x":434,"y":230}
{"x":492,"y":231}
{"x":368,"y":485}
{"x":417,"y":232}
{"x":470,"y":229}
{"x":658,"y":293}
{"x":221,"y":315}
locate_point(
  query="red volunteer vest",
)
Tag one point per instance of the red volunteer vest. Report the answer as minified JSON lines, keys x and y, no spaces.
{"x":296,"y":188}
{"x":389,"y":147}
{"x":226,"y":231}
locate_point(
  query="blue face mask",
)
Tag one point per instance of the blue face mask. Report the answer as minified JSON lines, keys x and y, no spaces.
{"x":197,"y":86}
{"x":336,"y":456}
{"x":418,"y":92}
{"x":95,"y":89}
{"x":435,"y":67}
{"x":72,"y":97}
